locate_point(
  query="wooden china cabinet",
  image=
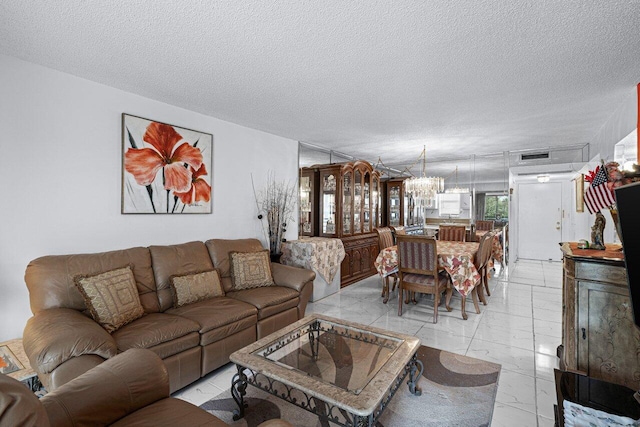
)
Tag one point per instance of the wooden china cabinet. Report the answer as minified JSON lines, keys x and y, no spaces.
{"x":395,"y":202}
{"x":349,"y":208}
{"x":400,"y":207}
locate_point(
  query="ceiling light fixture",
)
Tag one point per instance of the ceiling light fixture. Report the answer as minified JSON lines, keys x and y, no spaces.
{"x":543,"y":178}
{"x":424,"y":189}
{"x":456,"y":189}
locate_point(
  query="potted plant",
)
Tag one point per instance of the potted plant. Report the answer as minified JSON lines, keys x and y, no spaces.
{"x":276,"y":204}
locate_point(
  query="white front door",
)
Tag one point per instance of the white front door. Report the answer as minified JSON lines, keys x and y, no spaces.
{"x":539,"y":220}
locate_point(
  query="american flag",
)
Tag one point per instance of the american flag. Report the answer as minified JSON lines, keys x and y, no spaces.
{"x":598,"y":196}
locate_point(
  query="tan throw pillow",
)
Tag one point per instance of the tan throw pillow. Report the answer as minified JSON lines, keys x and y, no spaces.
{"x":112,"y":297}
{"x":250,"y":269}
{"x":196,"y":287}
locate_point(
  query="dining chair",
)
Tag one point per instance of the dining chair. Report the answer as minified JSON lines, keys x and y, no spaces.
{"x":482,"y":225}
{"x":398,"y":230}
{"x":452,"y":233}
{"x":385,"y":240}
{"x":418,"y":271}
{"x":482,"y":265}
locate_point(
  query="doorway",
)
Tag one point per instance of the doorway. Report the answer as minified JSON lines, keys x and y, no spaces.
{"x":539,"y":220}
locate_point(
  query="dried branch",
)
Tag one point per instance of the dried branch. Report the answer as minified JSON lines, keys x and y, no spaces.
{"x":276,"y":205}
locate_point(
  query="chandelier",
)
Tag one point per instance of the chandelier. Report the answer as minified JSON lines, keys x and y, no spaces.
{"x":456,"y":189}
{"x":424,"y":188}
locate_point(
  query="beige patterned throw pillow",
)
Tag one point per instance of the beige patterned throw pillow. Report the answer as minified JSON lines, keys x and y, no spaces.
{"x":250,"y":269}
{"x":196,"y":287}
{"x":111,"y":297}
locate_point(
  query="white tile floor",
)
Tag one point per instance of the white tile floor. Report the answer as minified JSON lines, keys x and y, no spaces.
{"x":520,"y":328}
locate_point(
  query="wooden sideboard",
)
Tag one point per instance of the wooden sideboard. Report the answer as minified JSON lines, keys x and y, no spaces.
{"x":599,"y":337}
{"x":360,"y":253}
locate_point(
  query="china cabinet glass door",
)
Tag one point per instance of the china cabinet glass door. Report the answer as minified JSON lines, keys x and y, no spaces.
{"x":377,"y":212}
{"x":306,"y":208}
{"x":410,"y":214}
{"x":357,"y":202}
{"x":347,"y":203}
{"x":394,"y":204}
{"x":366,"y":202}
{"x":328,"y":203}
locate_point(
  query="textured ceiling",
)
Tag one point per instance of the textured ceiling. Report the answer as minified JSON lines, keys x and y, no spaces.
{"x":367,"y":78}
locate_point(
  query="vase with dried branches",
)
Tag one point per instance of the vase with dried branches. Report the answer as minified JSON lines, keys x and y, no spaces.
{"x":276,"y":206}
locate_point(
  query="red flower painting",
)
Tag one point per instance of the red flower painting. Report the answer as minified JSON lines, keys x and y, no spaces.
{"x":199,"y":191}
{"x":164,"y":157}
{"x":144,"y":163}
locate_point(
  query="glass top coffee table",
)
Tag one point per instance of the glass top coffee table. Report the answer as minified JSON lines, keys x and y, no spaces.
{"x":342,"y":371}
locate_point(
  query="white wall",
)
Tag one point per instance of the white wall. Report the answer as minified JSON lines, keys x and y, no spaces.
{"x":61,"y":172}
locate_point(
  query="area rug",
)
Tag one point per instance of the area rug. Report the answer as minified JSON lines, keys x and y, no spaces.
{"x":456,"y":391}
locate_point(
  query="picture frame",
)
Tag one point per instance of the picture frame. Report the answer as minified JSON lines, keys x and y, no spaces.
{"x":8,"y":361}
{"x":166,"y":169}
{"x":580,"y":193}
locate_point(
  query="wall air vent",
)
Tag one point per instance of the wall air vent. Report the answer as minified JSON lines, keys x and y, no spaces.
{"x":534,"y":156}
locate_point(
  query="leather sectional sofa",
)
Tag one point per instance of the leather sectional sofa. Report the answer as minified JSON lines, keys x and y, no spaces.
{"x":63,"y":341}
{"x":130,"y":389}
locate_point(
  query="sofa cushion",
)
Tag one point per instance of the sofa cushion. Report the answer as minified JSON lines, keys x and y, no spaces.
{"x":177,"y":260}
{"x":215,"y":312}
{"x":196,"y":287}
{"x":229,"y":330}
{"x":177,"y":346}
{"x":268,"y":300}
{"x":250,"y":269}
{"x":154,"y":329}
{"x":50,"y":279}
{"x":219,"y":251}
{"x":111,"y":297}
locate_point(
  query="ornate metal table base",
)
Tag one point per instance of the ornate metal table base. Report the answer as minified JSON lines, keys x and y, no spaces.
{"x":327,"y":412}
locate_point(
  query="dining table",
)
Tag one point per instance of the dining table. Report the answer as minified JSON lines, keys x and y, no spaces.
{"x":456,"y":258}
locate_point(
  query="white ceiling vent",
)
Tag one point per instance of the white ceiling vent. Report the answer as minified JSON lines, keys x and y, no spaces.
{"x":569,"y":154}
{"x":534,"y":156}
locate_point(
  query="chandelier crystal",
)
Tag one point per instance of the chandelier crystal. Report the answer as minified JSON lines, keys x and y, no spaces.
{"x":424,"y":188}
{"x":456,"y":189}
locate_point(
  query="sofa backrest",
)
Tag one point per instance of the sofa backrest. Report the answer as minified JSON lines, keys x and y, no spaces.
{"x":50,"y":279}
{"x":176,"y":260}
{"x":219,"y":251}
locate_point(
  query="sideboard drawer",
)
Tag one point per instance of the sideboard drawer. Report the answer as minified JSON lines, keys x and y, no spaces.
{"x":601,"y":273}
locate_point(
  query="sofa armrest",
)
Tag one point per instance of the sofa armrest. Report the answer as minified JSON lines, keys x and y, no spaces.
{"x":112,"y":390}
{"x":291,"y":277}
{"x":56,"y":335}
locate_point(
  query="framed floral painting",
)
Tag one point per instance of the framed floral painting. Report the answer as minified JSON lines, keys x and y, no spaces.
{"x":166,"y":169}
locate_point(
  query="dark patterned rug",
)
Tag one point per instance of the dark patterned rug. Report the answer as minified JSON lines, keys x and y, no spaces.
{"x":456,"y":391}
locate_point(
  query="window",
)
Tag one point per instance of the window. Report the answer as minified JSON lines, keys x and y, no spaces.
{"x":496,"y":207}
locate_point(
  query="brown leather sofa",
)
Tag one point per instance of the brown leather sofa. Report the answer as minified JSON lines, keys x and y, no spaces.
{"x":130,"y":389}
{"x":62,"y":340}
